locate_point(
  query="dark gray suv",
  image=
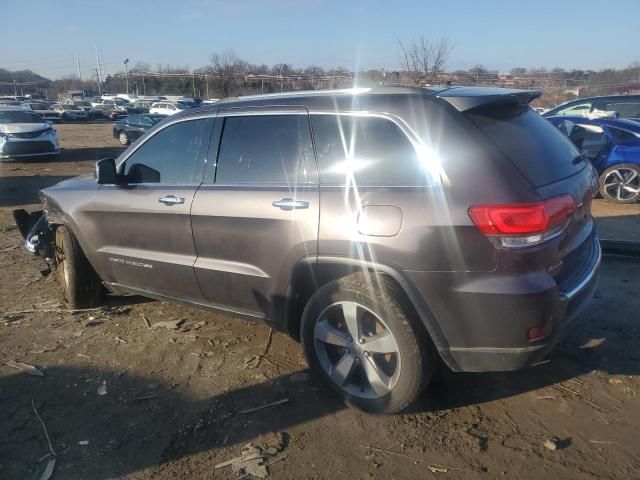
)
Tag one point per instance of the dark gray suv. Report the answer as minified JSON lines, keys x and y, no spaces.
{"x":384,"y":227}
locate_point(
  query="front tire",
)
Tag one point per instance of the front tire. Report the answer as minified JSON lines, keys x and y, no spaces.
{"x":123,"y":138}
{"x":80,"y":283}
{"x":362,"y":341}
{"x":621,"y":183}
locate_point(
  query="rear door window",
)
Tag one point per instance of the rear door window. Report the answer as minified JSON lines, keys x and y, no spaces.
{"x":265,"y":149}
{"x":365,"y":151}
{"x":531,"y":142}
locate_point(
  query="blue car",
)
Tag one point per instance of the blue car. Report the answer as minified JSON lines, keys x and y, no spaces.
{"x":613,"y":147}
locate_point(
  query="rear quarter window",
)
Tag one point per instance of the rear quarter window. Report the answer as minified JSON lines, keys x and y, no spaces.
{"x":532,"y":143}
{"x":365,"y":151}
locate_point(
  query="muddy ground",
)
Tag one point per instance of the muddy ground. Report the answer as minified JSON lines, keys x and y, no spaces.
{"x":172,"y":401}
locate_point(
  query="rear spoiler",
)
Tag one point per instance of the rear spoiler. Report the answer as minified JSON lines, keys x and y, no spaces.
{"x":468,"y":98}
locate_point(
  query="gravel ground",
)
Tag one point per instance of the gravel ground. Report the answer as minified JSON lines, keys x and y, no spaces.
{"x":121,"y":400}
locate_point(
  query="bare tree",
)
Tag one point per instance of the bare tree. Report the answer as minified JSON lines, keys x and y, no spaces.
{"x":228,"y":67}
{"x":424,"y":59}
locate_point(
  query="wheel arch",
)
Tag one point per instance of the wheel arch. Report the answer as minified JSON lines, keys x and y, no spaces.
{"x":311,"y":273}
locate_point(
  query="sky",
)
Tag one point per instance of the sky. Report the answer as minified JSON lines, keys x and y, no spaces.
{"x":45,"y":35}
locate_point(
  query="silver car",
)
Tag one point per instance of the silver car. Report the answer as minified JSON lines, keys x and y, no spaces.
{"x":24,"y":133}
{"x":70,"y":112}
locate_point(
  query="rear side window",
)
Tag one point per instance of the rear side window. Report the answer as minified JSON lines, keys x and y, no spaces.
{"x":531,"y":142}
{"x":265,"y":149}
{"x":625,"y":109}
{"x":365,"y":151}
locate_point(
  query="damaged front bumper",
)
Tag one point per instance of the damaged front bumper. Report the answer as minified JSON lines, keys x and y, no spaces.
{"x":34,"y":228}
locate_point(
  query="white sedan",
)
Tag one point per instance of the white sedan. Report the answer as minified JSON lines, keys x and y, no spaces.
{"x":166,"y":108}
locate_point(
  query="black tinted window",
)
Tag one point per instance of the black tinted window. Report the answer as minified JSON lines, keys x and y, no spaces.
{"x":170,"y":156}
{"x":265,"y":149}
{"x":365,"y":151}
{"x":625,"y":109}
{"x":531,"y":142}
{"x":622,"y":136}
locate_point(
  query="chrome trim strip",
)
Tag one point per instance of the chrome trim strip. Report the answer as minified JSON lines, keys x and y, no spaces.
{"x":575,"y":290}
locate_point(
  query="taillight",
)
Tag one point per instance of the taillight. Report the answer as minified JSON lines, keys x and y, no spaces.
{"x":525,"y":224}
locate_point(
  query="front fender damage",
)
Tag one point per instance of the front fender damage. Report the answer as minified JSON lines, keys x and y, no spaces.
{"x":36,"y":232}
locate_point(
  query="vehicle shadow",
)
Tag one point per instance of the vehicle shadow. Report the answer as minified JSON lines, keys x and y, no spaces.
{"x":23,"y":189}
{"x":144,"y":422}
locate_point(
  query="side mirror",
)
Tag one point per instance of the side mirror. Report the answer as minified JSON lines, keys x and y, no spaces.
{"x":105,"y":171}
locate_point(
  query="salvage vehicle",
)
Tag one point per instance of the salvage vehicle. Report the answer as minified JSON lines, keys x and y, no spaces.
{"x":613,"y":147}
{"x":620,"y":106}
{"x":134,"y":126}
{"x":24,"y":133}
{"x":42,"y":109}
{"x":70,"y":112}
{"x":167,"y":108}
{"x":110,"y":112}
{"x":384,"y":227}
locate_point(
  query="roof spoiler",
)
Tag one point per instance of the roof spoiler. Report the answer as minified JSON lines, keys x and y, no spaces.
{"x":468,"y":98}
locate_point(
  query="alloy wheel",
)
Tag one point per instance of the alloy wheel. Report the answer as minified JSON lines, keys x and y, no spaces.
{"x":357,"y":350}
{"x":622,"y":184}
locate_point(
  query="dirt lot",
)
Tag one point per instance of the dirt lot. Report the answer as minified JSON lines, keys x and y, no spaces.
{"x":121,"y":400}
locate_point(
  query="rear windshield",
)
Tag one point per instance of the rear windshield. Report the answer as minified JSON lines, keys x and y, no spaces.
{"x":533,"y":144}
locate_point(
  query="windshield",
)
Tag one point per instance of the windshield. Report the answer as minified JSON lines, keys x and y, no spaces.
{"x":180,"y":106}
{"x":19,"y":117}
{"x":69,"y":107}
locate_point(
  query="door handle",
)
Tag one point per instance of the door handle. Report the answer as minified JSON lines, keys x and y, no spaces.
{"x":171,"y":200}
{"x":289,"y":204}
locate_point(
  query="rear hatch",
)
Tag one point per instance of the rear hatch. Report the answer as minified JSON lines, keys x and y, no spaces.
{"x":553,"y":167}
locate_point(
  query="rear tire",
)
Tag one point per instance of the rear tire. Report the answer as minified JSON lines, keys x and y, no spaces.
{"x":80,"y":283}
{"x":621,"y":183}
{"x":386,"y":367}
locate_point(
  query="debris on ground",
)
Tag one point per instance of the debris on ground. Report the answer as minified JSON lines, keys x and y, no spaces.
{"x":266,"y":405}
{"x":48,"y":470}
{"x":252,"y":459}
{"x":26,"y":368}
{"x":434,"y":468}
{"x":84,"y":443}
{"x":169,"y":325}
{"x":102,"y":389}
{"x":557,"y":443}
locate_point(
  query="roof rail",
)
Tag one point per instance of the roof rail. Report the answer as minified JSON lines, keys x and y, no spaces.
{"x":379,"y":90}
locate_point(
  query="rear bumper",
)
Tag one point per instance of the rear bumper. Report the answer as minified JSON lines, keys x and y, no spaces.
{"x":484,"y":322}
{"x":570,"y":306}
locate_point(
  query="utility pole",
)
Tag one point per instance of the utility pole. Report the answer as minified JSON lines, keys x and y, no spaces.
{"x":126,"y":67}
{"x":78,"y":65}
{"x":144,"y":88}
{"x":15,"y":88}
{"x":206,"y":79}
{"x":193,"y":83}
{"x":99,"y":71}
